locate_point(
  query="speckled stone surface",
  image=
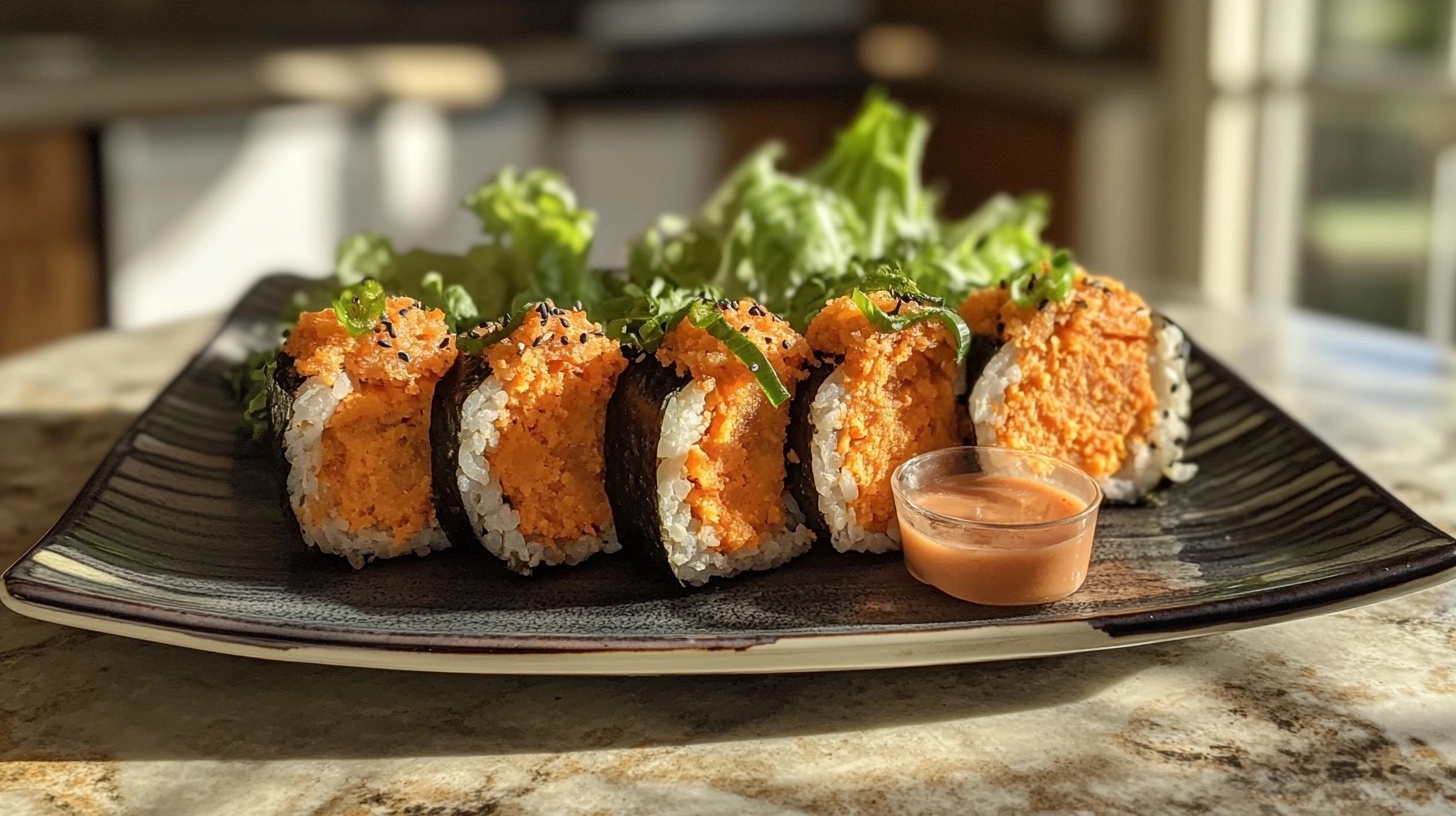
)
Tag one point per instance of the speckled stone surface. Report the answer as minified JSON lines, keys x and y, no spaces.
{"x":1350,"y":713}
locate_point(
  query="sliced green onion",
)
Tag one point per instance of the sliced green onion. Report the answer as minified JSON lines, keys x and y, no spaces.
{"x":476,"y":344}
{"x":893,"y":323}
{"x":359,"y":307}
{"x":707,"y":317}
{"x":1047,"y":279}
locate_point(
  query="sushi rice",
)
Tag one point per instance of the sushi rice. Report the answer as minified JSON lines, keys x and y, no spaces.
{"x":492,"y":517}
{"x":1149,"y":458}
{"x":833,"y":483}
{"x":693,"y":547}
{"x":313,"y":406}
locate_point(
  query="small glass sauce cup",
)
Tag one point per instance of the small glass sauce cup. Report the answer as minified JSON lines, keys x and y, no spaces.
{"x":1000,"y":562}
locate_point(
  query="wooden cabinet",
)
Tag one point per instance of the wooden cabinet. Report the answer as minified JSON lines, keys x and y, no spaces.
{"x":50,"y":283}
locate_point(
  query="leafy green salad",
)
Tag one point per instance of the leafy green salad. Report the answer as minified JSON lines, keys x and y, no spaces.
{"x":859,"y":220}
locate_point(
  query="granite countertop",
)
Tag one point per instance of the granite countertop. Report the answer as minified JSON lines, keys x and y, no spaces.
{"x":1348,"y":713}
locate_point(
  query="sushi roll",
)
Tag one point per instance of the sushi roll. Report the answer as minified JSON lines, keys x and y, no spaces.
{"x":695,"y":447}
{"x":517,"y":441}
{"x":877,"y":398}
{"x":1096,"y":379}
{"x":350,"y":411}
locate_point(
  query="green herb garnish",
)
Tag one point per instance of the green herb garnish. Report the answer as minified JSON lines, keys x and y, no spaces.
{"x":1047,"y":280}
{"x":359,"y":307}
{"x":249,"y":383}
{"x":706,"y":316}
{"x":927,"y":311}
{"x":641,"y":314}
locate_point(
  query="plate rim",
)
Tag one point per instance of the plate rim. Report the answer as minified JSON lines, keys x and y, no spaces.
{"x":800,"y":653}
{"x":1390,"y":577}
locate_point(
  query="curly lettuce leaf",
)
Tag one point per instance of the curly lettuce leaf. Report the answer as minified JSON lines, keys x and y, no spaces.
{"x":767,"y":234}
{"x":537,"y":242}
{"x":544,"y":237}
{"x":875,"y":165}
{"x":761,"y":234}
{"x":248,"y":382}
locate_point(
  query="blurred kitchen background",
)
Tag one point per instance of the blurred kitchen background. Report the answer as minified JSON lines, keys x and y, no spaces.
{"x":157,"y":156}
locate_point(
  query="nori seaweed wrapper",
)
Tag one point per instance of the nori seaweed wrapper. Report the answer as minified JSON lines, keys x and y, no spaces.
{"x":282,"y":388}
{"x":463,"y":378}
{"x":983,"y":348}
{"x":799,"y":449}
{"x":633,"y":428}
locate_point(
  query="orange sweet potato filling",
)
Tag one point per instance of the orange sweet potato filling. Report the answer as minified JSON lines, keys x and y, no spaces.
{"x":549,"y":458}
{"x":737,"y":468}
{"x":1085,"y":391}
{"x":376,"y":448}
{"x":900,"y":388}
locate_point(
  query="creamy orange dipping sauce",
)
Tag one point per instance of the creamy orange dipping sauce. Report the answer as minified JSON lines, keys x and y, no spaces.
{"x":998,"y":565}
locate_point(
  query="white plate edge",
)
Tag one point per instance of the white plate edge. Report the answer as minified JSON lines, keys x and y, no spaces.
{"x":793,"y":653}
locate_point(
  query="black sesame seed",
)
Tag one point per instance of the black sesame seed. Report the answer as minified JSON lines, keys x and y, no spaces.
{"x":356,"y":301}
{"x":540,"y":338}
{"x":445,"y":342}
{"x":1042,"y":305}
{"x":383,"y":343}
{"x":743,"y":329}
{"x":404,"y":311}
{"x":1173,"y":389}
{"x":389,"y":327}
{"x":787,"y":345}
{"x":565,"y":324}
{"x":404,"y":356}
{"x":1152,"y":446}
{"x":565,"y":340}
{"x":582,"y":338}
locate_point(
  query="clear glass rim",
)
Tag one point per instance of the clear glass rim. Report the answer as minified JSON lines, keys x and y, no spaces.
{"x":897,"y":477}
